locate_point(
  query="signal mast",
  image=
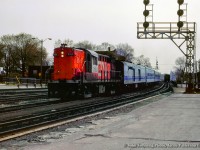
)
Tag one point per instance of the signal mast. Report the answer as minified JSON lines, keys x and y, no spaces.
{"x":180,"y":30}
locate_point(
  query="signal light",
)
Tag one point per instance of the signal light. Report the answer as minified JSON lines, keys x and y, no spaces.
{"x":180,"y":2}
{"x":180,"y":12}
{"x":180,"y":24}
{"x":146,"y":13}
{"x":146,"y":2}
{"x":146,"y":24}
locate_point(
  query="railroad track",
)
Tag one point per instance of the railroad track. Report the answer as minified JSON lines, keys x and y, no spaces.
{"x":75,"y":109}
{"x":13,"y":91}
{"x":15,"y":95}
{"x":28,"y":104}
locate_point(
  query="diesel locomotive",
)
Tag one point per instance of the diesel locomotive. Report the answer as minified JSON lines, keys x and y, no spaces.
{"x":83,"y":72}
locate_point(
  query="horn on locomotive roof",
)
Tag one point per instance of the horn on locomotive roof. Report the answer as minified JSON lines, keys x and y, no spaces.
{"x":63,"y":45}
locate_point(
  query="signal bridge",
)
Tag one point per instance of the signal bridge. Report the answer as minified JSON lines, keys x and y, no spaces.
{"x":182,"y":30}
{"x":166,"y":30}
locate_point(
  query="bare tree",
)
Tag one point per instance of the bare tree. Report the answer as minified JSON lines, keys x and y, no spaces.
{"x":57,"y":43}
{"x":69,"y":43}
{"x":2,"y":55}
{"x":180,"y":68}
{"x":49,"y":61}
{"x":104,"y":46}
{"x":85,"y":44}
{"x":180,"y":62}
{"x":141,"y":60}
{"x":20,"y":51}
{"x":127,"y":50}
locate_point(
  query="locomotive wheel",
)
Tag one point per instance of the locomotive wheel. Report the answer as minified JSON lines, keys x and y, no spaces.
{"x":87,"y":95}
{"x":87,"y":92}
{"x":53,"y":93}
{"x":110,"y":90}
{"x":83,"y":92}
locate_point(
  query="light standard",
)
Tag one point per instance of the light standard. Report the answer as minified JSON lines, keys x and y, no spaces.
{"x":41,"y":60}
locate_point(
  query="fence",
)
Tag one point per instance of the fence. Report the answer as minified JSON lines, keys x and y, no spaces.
{"x":22,"y":81}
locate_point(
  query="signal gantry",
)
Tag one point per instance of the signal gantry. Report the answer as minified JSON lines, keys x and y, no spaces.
{"x":180,"y":30}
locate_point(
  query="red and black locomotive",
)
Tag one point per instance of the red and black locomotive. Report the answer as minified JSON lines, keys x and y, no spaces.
{"x":82,"y":72}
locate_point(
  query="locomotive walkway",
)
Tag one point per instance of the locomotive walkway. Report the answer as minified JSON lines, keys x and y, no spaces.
{"x":170,"y":123}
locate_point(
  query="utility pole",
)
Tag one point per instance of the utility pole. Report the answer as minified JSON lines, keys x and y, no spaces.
{"x":41,"y":58}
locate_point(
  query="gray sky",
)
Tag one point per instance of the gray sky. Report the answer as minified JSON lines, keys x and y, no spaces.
{"x":113,"y":21}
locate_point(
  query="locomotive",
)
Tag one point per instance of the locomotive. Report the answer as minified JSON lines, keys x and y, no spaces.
{"x":83,"y":72}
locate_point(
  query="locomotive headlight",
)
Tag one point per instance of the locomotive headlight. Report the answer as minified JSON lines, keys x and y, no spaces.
{"x":62,"y":54}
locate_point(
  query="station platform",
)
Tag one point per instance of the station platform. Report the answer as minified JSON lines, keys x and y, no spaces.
{"x":173,"y":122}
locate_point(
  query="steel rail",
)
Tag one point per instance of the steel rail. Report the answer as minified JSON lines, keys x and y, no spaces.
{"x":41,"y":102}
{"x":11,"y":95}
{"x":13,"y":91}
{"x":41,"y":118}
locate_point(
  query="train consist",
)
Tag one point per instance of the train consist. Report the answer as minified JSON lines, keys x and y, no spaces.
{"x":82,"y":72}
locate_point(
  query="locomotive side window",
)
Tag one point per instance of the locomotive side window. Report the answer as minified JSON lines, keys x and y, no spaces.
{"x":88,"y":57}
{"x":133,"y":74}
{"x":94,"y":59}
{"x":88,"y":63}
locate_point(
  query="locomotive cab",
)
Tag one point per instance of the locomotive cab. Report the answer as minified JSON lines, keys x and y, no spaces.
{"x":68,"y":64}
{"x":74,"y":70}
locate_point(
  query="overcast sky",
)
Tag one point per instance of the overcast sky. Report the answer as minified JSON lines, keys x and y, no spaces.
{"x":113,"y":21}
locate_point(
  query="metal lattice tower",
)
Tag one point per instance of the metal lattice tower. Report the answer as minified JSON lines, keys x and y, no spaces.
{"x":183,"y":30}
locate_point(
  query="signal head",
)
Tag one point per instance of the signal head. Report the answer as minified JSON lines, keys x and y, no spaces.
{"x":146,"y":2}
{"x":180,"y":2}
{"x":180,"y":24}
{"x":180,"y":12}
{"x":146,"y":24}
{"x":146,"y":13}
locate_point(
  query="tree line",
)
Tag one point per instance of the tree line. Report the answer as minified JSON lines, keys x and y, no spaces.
{"x":128,"y":50}
{"x":18,"y":52}
{"x":180,"y":69}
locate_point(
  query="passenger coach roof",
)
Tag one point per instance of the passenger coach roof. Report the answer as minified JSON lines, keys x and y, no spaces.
{"x":128,"y":63}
